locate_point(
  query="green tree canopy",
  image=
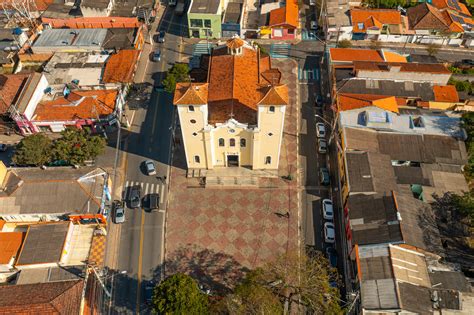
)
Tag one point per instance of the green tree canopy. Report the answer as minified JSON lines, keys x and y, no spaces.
{"x":33,"y":150}
{"x":345,"y":43}
{"x":178,"y":73}
{"x":76,"y":146}
{"x":179,"y":294}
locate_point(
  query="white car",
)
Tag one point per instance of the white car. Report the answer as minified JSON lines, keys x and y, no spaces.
{"x":150,"y":167}
{"x":320,"y":130}
{"x":322,"y":146}
{"x":329,"y":233}
{"x":328,"y":213}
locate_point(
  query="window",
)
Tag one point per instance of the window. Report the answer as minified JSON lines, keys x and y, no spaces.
{"x":192,"y":121}
{"x":243,"y":143}
{"x":195,"y":134}
{"x":268,"y":160}
{"x":191,"y":108}
{"x":270,"y":134}
{"x":271,"y":109}
{"x":359,"y":26}
{"x":196,"y":22}
{"x":221,"y":142}
{"x":291,"y":31}
{"x":417,"y":122}
{"x":197,"y":159}
{"x":207,"y":23}
{"x":232,"y":142}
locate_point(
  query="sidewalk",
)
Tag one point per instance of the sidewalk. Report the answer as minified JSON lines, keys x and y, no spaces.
{"x":367,"y":43}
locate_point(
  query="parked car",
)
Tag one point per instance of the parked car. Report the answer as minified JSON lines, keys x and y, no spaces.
{"x":3,"y":147}
{"x":329,"y":233}
{"x":328,"y":213}
{"x":161,"y":37}
{"x":313,"y":25}
{"x":324,"y":178}
{"x":135,"y":197}
{"x":157,"y":55}
{"x":119,"y":212}
{"x":153,"y":201}
{"x":150,"y":168}
{"x":320,"y":130}
{"x":469,"y":62}
{"x":319,"y":100}
{"x":322,"y":146}
{"x":331,"y":254}
{"x":312,"y":2}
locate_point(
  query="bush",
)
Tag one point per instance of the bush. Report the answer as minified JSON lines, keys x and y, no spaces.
{"x":345,"y":43}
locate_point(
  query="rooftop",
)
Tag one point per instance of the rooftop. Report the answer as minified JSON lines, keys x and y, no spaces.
{"x":287,"y":15}
{"x":11,"y":85}
{"x":121,"y":66}
{"x":371,"y":19}
{"x":401,"y":67}
{"x":71,"y":37}
{"x":62,"y":297}
{"x":43,"y":244}
{"x":120,"y":38}
{"x":349,"y":55}
{"x":10,"y":243}
{"x":348,"y":101}
{"x":50,"y":274}
{"x":233,"y":13}
{"x":92,"y":22}
{"x":100,"y":4}
{"x":36,"y":191}
{"x":205,"y":6}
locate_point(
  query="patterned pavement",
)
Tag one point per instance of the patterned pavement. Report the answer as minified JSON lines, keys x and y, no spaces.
{"x":217,"y":234}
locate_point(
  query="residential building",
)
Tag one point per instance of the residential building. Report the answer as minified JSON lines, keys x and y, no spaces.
{"x":31,"y":195}
{"x":377,"y":24}
{"x":204,"y":19}
{"x":120,"y":67}
{"x":336,"y":22}
{"x":96,"y":8}
{"x":235,"y":117}
{"x":233,"y":20}
{"x":347,"y":56}
{"x":436,"y":73}
{"x":11,"y":86}
{"x":92,"y":22}
{"x":396,"y":279}
{"x":10,"y":244}
{"x":60,"y":297}
{"x":283,"y":22}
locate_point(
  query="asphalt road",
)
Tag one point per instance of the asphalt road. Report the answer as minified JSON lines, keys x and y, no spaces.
{"x":140,"y":249}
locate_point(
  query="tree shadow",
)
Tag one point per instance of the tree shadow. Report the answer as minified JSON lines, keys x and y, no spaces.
{"x":219,"y":272}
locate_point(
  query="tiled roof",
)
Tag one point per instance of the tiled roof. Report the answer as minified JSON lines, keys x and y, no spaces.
{"x":190,"y":94}
{"x":10,"y":243}
{"x":347,"y":101}
{"x":61,"y":297}
{"x":10,"y":88}
{"x":234,"y":43}
{"x":426,"y":17}
{"x":390,"y":56}
{"x":78,"y":105}
{"x":371,"y":18}
{"x":445,"y":93}
{"x":404,"y":67}
{"x":453,"y":5}
{"x":352,"y":54}
{"x":276,"y":95}
{"x":94,"y":22}
{"x":120,"y":67}
{"x":287,"y":15}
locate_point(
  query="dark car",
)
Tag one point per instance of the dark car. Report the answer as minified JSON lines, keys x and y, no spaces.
{"x":153,"y":201}
{"x":119,"y":212}
{"x":135,"y":197}
{"x":469,"y":62}
{"x":331,"y":253}
{"x":324,"y":176}
{"x":161,"y":37}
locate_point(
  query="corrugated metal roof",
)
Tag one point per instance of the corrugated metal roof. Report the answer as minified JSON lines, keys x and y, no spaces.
{"x":71,"y":37}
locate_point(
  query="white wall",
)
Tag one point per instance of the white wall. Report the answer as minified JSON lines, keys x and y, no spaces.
{"x":36,"y":97}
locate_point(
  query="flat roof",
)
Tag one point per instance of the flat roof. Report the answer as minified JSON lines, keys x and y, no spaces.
{"x":205,"y":6}
{"x":10,"y":243}
{"x":50,"y":274}
{"x":233,"y":13}
{"x":43,"y":244}
{"x":71,"y":37}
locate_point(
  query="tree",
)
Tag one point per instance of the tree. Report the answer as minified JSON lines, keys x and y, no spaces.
{"x":178,"y":73}
{"x":290,"y":278}
{"x":465,"y":205}
{"x":77,"y":146}
{"x":345,"y":43}
{"x":432,"y":49}
{"x":179,"y":294}
{"x":33,"y":150}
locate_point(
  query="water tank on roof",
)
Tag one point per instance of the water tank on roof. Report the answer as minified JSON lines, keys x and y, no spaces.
{"x":17,"y":31}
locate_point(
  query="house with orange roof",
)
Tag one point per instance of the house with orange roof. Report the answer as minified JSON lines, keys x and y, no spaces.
{"x":283,"y":22}
{"x":371,"y":23}
{"x":10,"y":244}
{"x":93,"y":22}
{"x":347,"y":56}
{"x":236,"y":116}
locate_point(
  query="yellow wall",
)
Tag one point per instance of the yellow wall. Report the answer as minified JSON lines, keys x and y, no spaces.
{"x":3,"y":173}
{"x":441,"y":105}
{"x":220,"y":153}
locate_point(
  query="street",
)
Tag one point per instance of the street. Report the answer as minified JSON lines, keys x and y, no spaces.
{"x":141,"y":243}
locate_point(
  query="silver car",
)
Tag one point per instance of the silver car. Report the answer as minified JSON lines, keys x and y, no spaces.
{"x":322,"y":146}
{"x":150,"y":167}
{"x":119,"y":212}
{"x":329,"y":233}
{"x":320,"y":130}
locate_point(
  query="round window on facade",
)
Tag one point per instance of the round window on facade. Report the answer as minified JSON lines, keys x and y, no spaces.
{"x":192,"y":121}
{"x":231,"y":130}
{"x":270,"y":134}
{"x":195,"y":134}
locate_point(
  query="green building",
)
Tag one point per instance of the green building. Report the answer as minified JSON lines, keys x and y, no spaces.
{"x":205,"y":19}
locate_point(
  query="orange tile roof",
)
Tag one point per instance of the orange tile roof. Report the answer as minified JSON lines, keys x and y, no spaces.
{"x":352,"y":54}
{"x":234,"y":43}
{"x":285,"y":16}
{"x":79,"y":105}
{"x":393,"y":56}
{"x":446,"y":93}
{"x":10,"y":243}
{"x":374,"y":18}
{"x":444,"y":4}
{"x":120,"y":67}
{"x":404,"y":67}
{"x":41,"y":5}
{"x":276,"y":95}
{"x":190,"y":94}
{"x":348,"y":101}
{"x":94,"y":22}
{"x":11,"y":86}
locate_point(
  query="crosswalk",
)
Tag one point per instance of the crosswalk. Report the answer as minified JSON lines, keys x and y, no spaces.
{"x":313,"y":74}
{"x":148,"y":188}
{"x":280,"y":50}
{"x":202,"y":49}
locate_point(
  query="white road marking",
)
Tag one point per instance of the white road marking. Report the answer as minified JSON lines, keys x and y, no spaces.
{"x":157,"y":188}
{"x":146,"y":188}
{"x":151,"y":188}
{"x":162,"y":191}
{"x":126,"y":183}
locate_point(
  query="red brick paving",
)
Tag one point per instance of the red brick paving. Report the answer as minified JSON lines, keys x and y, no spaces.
{"x":217,"y":234}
